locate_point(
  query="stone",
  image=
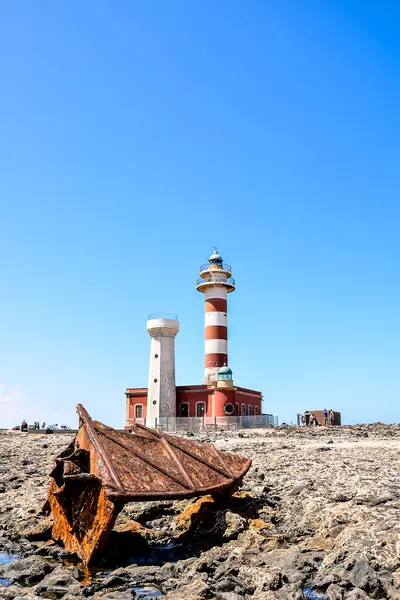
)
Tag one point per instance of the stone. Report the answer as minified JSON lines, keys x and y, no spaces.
{"x":303,"y":517}
{"x":121,"y":595}
{"x":60,"y":581}
{"x":116,"y":579}
{"x":41,"y":532}
{"x":125,"y":539}
{"x":357,"y":594}
{"x":364,"y":577}
{"x":334,"y":592}
{"x":235,"y":524}
{"x":28,"y":570}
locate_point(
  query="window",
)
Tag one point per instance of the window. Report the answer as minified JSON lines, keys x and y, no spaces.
{"x":229,"y":409}
{"x":138,"y":411}
{"x":243,"y":409}
{"x":256,"y":411}
{"x":184,"y":410}
{"x":250,"y":410}
{"x":237,"y":409}
{"x":200,"y":409}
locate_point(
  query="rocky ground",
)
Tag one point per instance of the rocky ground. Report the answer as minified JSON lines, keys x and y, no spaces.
{"x":318,"y":517}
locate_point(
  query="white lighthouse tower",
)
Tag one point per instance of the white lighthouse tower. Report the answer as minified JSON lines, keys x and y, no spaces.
{"x":216,"y":283}
{"x":161,"y":394}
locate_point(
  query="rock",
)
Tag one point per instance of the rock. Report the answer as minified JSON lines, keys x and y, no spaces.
{"x":42,"y":531}
{"x":357,"y":594}
{"x":60,"y":581}
{"x":117,"y":578}
{"x":303,"y":517}
{"x":121,"y":595}
{"x":192,"y":515}
{"x":365,"y":578}
{"x":51,"y":550}
{"x":235,"y":524}
{"x":28,"y":570}
{"x":340,"y":497}
{"x":125,"y":539}
{"x":334,"y":592}
{"x":196,"y":589}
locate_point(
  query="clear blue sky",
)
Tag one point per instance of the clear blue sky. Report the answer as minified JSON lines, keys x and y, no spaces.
{"x":136,"y":135}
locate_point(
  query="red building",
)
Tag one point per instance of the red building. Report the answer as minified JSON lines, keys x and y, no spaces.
{"x":199,"y":401}
{"x":218,"y":396}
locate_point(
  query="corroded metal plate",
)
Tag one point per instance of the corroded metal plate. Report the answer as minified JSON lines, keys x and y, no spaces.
{"x":103,"y":469}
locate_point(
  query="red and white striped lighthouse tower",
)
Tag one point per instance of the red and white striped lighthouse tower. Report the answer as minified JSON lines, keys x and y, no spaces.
{"x":215,"y":282}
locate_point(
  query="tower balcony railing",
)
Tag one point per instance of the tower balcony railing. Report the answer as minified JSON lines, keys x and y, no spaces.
{"x":163,"y":315}
{"x":229,"y":282}
{"x":224,"y":267}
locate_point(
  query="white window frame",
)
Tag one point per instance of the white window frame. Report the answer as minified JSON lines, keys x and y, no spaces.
{"x":139,"y":404}
{"x":229,"y":414}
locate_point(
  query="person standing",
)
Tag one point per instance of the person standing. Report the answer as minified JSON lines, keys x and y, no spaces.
{"x":331,"y":417}
{"x":325,"y":413}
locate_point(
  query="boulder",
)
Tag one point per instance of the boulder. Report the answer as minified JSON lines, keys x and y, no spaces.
{"x":59,"y":582}
{"x":42,"y":531}
{"x":27,"y":570}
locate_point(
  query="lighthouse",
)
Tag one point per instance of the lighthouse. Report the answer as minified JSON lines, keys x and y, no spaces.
{"x":215,"y":283}
{"x":161,"y":397}
{"x":216,"y":401}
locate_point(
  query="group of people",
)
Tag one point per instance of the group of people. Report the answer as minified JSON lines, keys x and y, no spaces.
{"x":310,"y":420}
{"x":36,"y":425}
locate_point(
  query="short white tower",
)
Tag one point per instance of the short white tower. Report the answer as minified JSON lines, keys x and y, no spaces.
{"x":161,"y":393}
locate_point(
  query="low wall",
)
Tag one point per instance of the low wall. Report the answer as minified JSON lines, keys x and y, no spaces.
{"x":176,"y":424}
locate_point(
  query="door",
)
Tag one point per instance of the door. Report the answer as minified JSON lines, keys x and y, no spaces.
{"x":200,"y":409}
{"x":184,"y":410}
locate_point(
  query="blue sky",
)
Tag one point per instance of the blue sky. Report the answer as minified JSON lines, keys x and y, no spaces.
{"x":136,"y":135}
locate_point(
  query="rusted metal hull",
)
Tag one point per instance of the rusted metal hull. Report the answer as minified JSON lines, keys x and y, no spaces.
{"x":103,"y":469}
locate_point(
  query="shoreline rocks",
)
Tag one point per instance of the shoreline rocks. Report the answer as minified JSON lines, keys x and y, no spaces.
{"x":319,"y":510}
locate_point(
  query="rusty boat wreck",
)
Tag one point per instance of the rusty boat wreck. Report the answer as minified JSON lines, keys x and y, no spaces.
{"x":103,"y":469}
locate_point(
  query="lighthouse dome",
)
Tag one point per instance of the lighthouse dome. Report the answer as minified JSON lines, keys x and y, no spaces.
{"x":215,"y":259}
{"x":215,"y":255}
{"x":224,"y":373}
